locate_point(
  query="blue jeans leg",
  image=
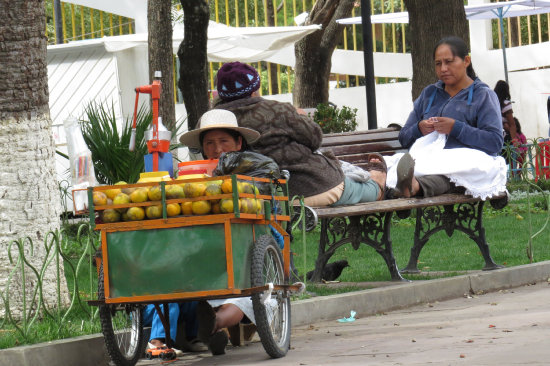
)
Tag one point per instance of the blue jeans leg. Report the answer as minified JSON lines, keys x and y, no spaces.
{"x":150,"y":317}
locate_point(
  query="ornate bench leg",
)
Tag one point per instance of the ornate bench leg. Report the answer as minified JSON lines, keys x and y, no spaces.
{"x":412,"y":266}
{"x":323,"y":255}
{"x":373,"y":230}
{"x":478,"y":235}
{"x":377,"y":235}
{"x":466,"y":218}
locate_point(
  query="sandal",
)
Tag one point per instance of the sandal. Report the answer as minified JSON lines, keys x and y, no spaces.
{"x":378,"y":166}
{"x":405,"y":175}
{"x":375,"y":165}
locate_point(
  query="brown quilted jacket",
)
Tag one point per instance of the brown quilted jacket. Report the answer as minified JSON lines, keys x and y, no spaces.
{"x":290,"y":139}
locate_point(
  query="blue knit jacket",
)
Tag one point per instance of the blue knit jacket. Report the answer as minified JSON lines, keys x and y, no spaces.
{"x":478,"y":121}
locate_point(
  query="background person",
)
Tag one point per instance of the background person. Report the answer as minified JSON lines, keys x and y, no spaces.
{"x":292,"y":140}
{"x":454,"y":132}
{"x":502,"y":90}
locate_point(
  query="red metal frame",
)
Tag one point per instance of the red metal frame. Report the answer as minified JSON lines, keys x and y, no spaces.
{"x":542,"y":161}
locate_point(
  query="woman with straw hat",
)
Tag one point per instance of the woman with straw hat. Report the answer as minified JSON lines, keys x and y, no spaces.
{"x":218,"y":132}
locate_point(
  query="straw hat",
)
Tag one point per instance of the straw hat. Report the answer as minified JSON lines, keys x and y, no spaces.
{"x":214,"y":119}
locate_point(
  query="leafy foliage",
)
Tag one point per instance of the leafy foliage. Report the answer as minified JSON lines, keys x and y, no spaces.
{"x":113,"y":161}
{"x":331,"y":119}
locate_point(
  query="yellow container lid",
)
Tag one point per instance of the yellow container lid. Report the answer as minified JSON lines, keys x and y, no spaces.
{"x":192,"y":176}
{"x":148,"y":177}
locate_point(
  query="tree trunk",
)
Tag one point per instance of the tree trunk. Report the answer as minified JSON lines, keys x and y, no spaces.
{"x":515,"y":34}
{"x":314,"y":52}
{"x":29,"y":194}
{"x":161,"y":56}
{"x":192,"y":56}
{"x":429,"y":21}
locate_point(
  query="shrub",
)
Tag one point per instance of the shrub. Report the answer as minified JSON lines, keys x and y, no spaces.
{"x":331,"y":119}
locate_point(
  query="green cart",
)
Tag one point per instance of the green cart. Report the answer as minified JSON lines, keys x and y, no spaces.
{"x":195,"y":257}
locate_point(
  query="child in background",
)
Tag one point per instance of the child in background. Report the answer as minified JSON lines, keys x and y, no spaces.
{"x":519,"y":142}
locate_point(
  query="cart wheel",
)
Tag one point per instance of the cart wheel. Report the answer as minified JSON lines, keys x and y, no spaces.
{"x":122,"y":329}
{"x":272,"y":318}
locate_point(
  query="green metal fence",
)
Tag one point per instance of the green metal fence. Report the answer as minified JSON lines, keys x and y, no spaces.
{"x":83,"y":23}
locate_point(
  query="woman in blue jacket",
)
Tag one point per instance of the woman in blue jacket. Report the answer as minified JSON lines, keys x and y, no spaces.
{"x":459,"y":110}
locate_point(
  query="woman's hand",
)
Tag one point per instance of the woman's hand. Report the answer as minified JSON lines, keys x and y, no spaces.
{"x":426,"y":126}
{"x":443,"y":125}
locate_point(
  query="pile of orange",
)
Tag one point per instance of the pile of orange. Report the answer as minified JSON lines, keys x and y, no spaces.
{"x":118,"y":196}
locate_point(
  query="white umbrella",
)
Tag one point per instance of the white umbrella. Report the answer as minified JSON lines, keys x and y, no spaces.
{"x":498,"y":11}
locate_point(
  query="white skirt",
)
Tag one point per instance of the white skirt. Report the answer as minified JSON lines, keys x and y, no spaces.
{"x":245,"y":304}
{"x":480,"y":174}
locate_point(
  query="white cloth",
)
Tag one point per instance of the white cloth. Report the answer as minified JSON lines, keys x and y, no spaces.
{"x":245,"y":304}
{"x":353,"y":172}
{"x":482,"y":175}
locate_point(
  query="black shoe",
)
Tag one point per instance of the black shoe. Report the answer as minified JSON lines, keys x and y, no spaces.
{"x":217,"y":343}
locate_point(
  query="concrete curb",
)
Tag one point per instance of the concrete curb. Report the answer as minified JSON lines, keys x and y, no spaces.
{"x":373,"y":301}
{"x":84,"y":351}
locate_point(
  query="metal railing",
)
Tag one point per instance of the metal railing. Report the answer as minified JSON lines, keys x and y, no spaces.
{"x":79,"y":22}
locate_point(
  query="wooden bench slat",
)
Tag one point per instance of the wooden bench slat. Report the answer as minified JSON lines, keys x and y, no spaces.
{"x":342,"y":139}
{"x":393,"y":205}
{"x":366,"y":148}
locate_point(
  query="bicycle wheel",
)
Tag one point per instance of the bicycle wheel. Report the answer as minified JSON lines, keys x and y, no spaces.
{"x":273,"y":316}
{"x":122,"y":328}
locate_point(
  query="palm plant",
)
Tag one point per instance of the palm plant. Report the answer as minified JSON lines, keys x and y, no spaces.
{"x":113,"y":161}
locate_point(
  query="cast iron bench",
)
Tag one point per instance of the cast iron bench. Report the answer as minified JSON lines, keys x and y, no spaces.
{"x":370,"y":223}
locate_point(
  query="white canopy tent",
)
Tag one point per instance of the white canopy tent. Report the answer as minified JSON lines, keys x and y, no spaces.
{"x":225,"y":43}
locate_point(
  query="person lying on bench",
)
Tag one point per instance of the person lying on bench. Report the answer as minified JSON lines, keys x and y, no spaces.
{"x":454,"y":133}
{"x":292,"y":139}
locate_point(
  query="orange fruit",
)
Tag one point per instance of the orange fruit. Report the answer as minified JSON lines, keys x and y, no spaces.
{"x":173,"y":209}
{"x":247,"y":205}
{"x":247,"y":187}
{"x":99,"y":198}
{"x":135,"y":213}
{"x":201,"y":207}
{"x":226,"y":205}
{"x":109,"y":215}
{"x":121,"y":199}
{"x":196,"y":189}
{"x":154,"y":194}
{"x":227,"y":186}
{"x":139,"y":195}
{"x":187,"y":208}
{"x":112,"y":192}
{"x":213,"y":189}
{"x":154,"y":212}
{"x":174,"y":191}
{"x":125,"y":190}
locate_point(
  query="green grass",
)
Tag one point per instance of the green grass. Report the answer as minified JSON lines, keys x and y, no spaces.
{"x":48,"y":328}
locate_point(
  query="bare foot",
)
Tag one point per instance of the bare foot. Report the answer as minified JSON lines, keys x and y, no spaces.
{"x":156,"y":342}
{"x":415,"y":188}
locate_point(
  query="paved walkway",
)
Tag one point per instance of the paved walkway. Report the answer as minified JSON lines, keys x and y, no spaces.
{"x":419,"y":326}
{"x":508,"y":327}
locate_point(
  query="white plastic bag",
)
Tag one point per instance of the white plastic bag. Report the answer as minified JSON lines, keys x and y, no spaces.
{"x":81,"y":165}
